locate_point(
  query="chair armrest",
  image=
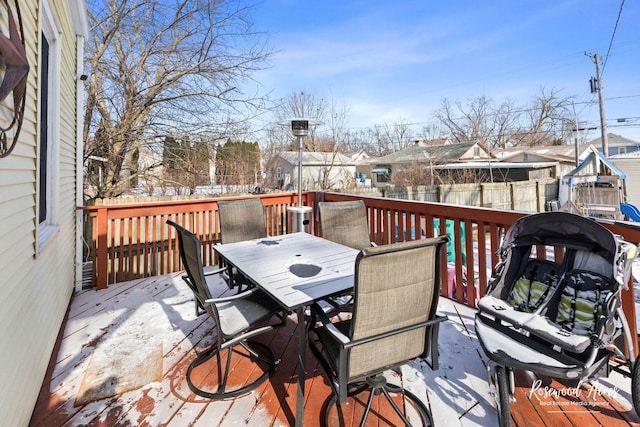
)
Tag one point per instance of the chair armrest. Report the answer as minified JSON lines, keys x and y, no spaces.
{"x":428,"y":323}
{"x":328,"y":325}
{"x":234,"y":297}
{"x":215,"y":271}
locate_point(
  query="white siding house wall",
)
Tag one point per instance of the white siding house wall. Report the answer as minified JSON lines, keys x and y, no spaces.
{"x":630,"y":164}
{"x":36,"y":271}
{"x":320,"y":170}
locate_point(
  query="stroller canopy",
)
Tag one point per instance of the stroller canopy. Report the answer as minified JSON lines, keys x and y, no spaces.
{"x":562,"y":229}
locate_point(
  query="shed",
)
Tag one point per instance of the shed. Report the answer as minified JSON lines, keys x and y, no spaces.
{"x":596,"y":188}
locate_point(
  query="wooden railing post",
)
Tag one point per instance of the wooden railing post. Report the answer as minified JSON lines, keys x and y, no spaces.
{"x":102,"y":258}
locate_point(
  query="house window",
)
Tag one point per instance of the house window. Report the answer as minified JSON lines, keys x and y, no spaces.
{"x":382,"y":173}
{"x":48,"y":129}
{"x":382,"y":177}
{"x":476,"y":152}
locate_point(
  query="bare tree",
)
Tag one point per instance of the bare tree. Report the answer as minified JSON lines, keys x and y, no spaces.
{"x":301,"y":105}
{"x":547,"y":116}
{"x":356,"y":140}
{"x":329,"y":137}
{"x":431,"y":135}
{"x":468,"y":122}
{"x":412,"y":174}
{"x":161,"y":68}
{"x":479,"y":120}
{"x":392,"y":137}
{"x":336,"y":121}
{"x":506,"y":125}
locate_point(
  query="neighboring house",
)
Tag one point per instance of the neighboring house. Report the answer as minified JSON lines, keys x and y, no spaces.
{"x":320,"y":171}
{"x":151,"y":169}
{"x":363,"y":168}
{"x":630,"y":164}
{"x":560,"y":158}
{"x":628,"y":161}
{"x":429,"y":154}
{"x":40,"y":187}
{"x":616,"y":144}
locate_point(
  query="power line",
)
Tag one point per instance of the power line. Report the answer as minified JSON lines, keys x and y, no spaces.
{"x":604,"y":64}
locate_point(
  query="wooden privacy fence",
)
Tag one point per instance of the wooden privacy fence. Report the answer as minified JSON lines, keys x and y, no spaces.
{"x":529,"y":196}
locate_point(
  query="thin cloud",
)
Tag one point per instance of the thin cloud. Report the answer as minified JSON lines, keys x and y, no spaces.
{"x":399,"y":60}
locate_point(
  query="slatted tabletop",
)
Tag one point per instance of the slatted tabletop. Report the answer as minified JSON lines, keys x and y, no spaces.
{"x":294,"y":269}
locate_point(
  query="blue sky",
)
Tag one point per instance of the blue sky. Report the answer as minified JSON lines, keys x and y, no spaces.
{"x":397,"y":60}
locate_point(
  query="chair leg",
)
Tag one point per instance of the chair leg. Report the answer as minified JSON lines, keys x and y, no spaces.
{"x":225,"y":376}
{"x":377,"y":385}
{"x":199,"y":308}
{"x":424,"y":413}
{"x":367,"y":409}
{"x":264,"y":355}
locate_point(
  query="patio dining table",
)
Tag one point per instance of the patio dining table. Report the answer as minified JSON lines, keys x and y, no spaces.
{"x":296,"y":270}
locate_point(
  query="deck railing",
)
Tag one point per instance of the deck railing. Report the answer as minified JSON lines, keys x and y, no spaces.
{"x":132,"y":241}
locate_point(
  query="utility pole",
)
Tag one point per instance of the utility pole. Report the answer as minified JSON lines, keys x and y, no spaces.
{"x":598,"y":87}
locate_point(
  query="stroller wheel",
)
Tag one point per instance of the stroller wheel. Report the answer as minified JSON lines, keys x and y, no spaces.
{"x":635,"y":386}
{"x":502,"y":383}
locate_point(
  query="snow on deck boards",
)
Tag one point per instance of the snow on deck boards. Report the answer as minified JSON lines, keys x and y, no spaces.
{"x":161,"y":310}
{"x":459,"y":389}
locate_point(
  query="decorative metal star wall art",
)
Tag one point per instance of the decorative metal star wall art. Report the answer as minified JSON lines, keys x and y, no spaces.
{"x":13,"y":60}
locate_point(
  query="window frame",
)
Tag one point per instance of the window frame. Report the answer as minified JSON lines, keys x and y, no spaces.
{"x":48,"y":226}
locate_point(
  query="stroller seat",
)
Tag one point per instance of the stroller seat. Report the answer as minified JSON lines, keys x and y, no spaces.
{"x":569,"y":316}
{"x":519,"y":303}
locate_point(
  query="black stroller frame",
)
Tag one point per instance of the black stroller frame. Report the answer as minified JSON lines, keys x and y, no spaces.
{"x":559,"y":318}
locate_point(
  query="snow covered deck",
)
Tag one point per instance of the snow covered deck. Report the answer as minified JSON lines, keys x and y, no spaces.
{"x":141,"y":336}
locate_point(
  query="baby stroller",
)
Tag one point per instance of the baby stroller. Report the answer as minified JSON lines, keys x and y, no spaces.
{"x":563,"y":317}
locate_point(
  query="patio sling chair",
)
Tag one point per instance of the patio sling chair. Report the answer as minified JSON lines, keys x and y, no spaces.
{"x":345,"y":223}
{"x":237,"y":319}
{"x":240,"y":220}
{"x":394,"y":321}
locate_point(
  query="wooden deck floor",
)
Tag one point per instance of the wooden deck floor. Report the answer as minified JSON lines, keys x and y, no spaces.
{"x":140,"y":317}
